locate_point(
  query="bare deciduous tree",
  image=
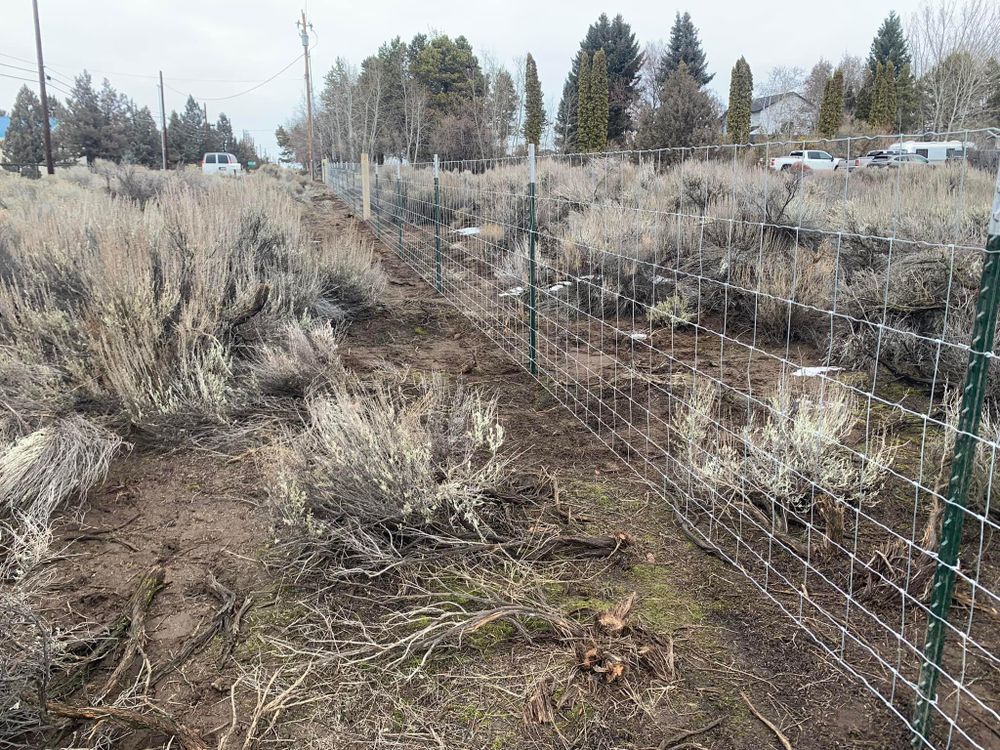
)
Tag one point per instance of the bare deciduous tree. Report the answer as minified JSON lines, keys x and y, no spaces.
{"x":953,"y":42}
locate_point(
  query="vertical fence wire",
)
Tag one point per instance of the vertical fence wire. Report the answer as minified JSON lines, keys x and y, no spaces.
{"x":777,"y":354}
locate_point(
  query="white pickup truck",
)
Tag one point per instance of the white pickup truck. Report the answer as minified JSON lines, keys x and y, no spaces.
{"x":807,"y":161}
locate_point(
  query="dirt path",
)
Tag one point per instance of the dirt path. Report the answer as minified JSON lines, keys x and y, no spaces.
{"x":195,"y":514}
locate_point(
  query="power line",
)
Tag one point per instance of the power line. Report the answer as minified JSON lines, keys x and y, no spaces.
{"x":241,"y":93}
{"x":17,"y":78}
{"x":18,"y":67}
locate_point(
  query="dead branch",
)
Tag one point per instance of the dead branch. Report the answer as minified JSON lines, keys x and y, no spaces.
{"x":134,"y":625}
{"x":673,"y":743}
{"x":769,"y":724}
{"x":160,"y":724}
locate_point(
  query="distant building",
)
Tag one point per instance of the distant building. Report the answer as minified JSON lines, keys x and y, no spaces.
{"x":789,"y":113}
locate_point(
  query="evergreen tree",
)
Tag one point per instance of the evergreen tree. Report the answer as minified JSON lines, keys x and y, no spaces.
{"x":889,"y":46}
{"x":684,"y":47}
{"x":883,"y":110}
{"x":224,"y":137}
{"x":534,"y":107}
{"x":599,"y":104}
{"x":175,"y":139}
{"x":686,"y":116}
{"x":585,"y":112}
{"x":246,"y":151}
{"x":449,"y":72}
{"x":24,"y":143}
{"x":615,"y":37}
{"x":142,"y":138}
{"x":740,"y":102}
{"x":114,"y":123}
{"x":192,"y":136}
{"x":831,"y":112}
{"x":286,"y":154}
{"x":81,"y":132}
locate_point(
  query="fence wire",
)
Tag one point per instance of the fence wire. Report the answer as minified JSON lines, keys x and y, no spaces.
{"x":778,"y":354}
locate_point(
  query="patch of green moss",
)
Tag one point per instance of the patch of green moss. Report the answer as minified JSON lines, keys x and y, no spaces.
{"x":662,"y":603}
{"x":490,"y":635}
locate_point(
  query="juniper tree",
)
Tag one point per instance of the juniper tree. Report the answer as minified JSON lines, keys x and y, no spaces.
{"x":599,"y":109}
{"x":687,"y":115}
{"x":740,"y":102}
{"x":585,"y":114}
{"x":615,"y":37}
{"x":883,"y":110}
{"x":534,"y":108}
{"x":831,"y":111}
{"x":684,"y":47}
{"x":24,"y":143}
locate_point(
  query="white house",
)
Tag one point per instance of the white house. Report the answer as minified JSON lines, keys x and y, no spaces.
{"x":789,"y":113}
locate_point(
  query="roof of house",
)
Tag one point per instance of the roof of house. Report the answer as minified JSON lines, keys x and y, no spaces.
{"x":4,"y":124}
{"x":762,"y":102}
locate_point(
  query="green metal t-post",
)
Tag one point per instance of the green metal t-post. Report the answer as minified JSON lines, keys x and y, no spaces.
{"x":399,"y":205}
{"x":532,"y":291}
{"x":437,"y":225}
{"x":962,"y":467}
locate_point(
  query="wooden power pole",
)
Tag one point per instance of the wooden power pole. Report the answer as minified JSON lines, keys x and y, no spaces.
{"x":304,"y":28}
{"x":46,"y":129}
{"x":163,"y":125}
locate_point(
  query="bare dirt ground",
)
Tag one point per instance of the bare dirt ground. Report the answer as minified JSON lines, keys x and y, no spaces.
{"x":742,"y":675}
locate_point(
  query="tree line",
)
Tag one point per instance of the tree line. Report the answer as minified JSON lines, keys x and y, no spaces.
{"x":435,"y":94}
{"x":103,"y":123}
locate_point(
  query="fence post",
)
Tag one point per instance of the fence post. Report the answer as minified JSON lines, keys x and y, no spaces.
{"x":437,"y":224}
{"x":366,"y":189}
{"x":399,"y":205}
{"x":962,"y":467}
{"x":378,"y":205}
{"x":532,"y":292}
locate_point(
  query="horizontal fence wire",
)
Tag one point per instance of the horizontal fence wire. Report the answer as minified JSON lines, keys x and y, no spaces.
{"x":778,"y":354}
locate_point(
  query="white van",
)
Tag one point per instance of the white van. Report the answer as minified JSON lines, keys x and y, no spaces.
{"x":220,"y":163}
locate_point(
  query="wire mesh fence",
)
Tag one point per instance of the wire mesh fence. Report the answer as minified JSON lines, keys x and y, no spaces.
{"x":781,"y":354}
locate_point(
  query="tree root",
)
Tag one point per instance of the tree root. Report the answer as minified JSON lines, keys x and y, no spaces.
{"x":160,"y":724}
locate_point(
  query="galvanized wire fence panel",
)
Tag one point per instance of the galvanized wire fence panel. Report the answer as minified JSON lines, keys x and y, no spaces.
{"x":779,"y":354}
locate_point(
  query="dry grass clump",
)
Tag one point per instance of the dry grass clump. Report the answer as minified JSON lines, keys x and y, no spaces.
{"x":377,"y":472}
{"x":149,"y":312}
{"x":795,"y":453}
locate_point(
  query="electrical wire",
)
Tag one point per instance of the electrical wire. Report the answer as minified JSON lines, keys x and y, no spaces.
{"x":18,"y":67}
{"x":18,"y":78}
{"x":241,"y":93}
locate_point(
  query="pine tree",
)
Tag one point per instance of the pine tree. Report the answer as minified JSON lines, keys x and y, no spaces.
{"x":685,"y":46}
{"x":599,"y":101}
{"x":246,"y":151}
{"x":831,"y":112}
{"x":615,"y":37}
{"x":192,"y":140}
{"x":585,"y":113}
{"x":286,"y":154}
{"x":24,"y":143}
{"x":889,"y":46}
{"x":142,"y":138}
{"x":534,"y":107}
{"x":81,"y":132}
{"x":175,"y":139}
{"x":224,"y":138}
{"x":740,"y":102}
{"x":114,"y":123}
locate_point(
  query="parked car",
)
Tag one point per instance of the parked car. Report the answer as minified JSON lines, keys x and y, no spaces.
{"x":807,"y":161}
{"x":894,"y":161}
{"x":221,"y":163}
{"x":866,"y":160}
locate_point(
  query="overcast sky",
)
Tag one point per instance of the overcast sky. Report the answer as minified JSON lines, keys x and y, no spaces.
{"x":218,"y":48}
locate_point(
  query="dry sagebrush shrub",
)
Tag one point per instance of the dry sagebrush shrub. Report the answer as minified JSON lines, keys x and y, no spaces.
{"x":303,"y":356}
{"x":148,"y":310}
{"x":795,"y":451}
{"x":375,"y":473}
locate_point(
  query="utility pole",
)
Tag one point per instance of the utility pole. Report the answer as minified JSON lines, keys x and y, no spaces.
{"x":46,"y":129}
{"x":304,"y":28}
{"x":163,"y":124}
